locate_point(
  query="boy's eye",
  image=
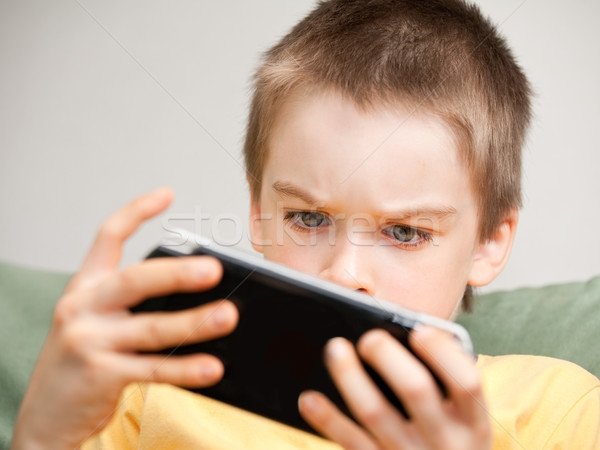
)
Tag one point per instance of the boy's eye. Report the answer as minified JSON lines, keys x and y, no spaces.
{"x":403,"y":233}
{"x":307,"y":219}
{"x":408,"y":237}
{"x":312,"y":219}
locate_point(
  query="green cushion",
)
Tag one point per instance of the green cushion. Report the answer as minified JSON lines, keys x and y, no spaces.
{"x":27,"y":298}
{"x":562,"y":321}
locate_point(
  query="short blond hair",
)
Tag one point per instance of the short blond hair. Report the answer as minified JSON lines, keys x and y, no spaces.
{"x":439,"y":56}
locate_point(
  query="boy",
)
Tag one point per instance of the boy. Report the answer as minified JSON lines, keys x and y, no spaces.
{"x":383,"y":153}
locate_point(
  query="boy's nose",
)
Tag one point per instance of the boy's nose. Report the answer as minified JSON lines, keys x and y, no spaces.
{"x":348,"y":266}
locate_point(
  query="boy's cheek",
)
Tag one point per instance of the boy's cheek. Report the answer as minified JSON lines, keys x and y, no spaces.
{"x":432,"y":284}
{"x":287,"y":251}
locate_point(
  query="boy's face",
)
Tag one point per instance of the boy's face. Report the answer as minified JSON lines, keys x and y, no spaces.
{"x":377,"y":201}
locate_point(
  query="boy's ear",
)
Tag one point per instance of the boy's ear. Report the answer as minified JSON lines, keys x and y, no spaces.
{"x":492,"y":255}
{"x":256,"y":237}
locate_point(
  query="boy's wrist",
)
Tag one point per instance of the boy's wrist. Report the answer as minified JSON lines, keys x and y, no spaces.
{"x":24,"y":440}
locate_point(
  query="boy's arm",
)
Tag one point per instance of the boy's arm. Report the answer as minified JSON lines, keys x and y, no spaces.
{"x":92,"y":350}
{"x":459,"y":420}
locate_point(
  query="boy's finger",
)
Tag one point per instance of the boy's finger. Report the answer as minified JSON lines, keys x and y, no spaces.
{"x":455,"y":368}
{"x":321,"y":414}
{"x":105,"y":253}
{"x":407,"y":376}
{"x":157,"y":331}
{"x":156,"y":277}
{"x":197,"y":370}
{"x":364,"y":399}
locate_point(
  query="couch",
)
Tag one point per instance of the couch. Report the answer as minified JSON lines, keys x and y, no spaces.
{"x":560,"y":320}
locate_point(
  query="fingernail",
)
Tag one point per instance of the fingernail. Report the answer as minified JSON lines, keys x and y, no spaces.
{"x":202,"y":269}
{"x":221,"y":316}
{"x":427,"y":331}
{"x":419,"y":333}
{"x":336,"y":349}
{"x":162,"y":191}
{"x":371,"y":337}
{"x":209,"y":371}
{"x":307,"y":402}
{"x":421,"y":329}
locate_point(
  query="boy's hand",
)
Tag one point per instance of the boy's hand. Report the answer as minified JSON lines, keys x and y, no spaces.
{"x":92,"y":351}
{"x":458,"y":421}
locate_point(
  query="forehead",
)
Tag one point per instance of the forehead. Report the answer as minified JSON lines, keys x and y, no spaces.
{"x":324,"y":142}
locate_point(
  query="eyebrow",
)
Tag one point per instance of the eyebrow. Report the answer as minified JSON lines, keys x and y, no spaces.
{"x":289,"y":190}
{"x":439,"y":213}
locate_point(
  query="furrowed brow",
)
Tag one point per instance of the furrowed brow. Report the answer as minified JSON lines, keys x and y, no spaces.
{"x":289,"y":190}
{"x":438,"y":213}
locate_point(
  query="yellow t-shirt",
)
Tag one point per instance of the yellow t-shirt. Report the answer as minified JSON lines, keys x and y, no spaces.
{"x":533,"y":402}
{"x":536,"y":402}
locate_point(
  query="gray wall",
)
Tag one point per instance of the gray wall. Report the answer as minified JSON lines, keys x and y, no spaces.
{"x":103,"y":100}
